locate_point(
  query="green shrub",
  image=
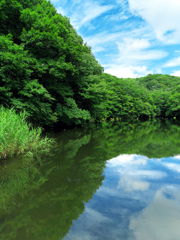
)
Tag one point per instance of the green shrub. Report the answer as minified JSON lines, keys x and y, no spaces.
{"x":17,"y":136}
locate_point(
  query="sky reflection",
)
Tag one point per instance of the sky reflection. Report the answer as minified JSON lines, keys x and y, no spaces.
{"x":129,"y":184}
{"x":127,"y":159}
{"x":173,"y":166}
{"x":160,"y":220}
{"x":139,"y":199}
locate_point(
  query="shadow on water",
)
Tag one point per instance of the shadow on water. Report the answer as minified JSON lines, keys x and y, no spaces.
{"x":41,"y":199}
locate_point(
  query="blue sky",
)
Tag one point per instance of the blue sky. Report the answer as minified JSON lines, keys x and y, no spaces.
{"x":129,"y":38}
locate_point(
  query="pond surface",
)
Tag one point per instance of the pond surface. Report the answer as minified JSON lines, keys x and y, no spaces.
{"x":115,"y":181}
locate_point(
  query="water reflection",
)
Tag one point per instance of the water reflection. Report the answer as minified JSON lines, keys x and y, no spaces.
{"x":130,"y":184}
{"x":135,"y":187}
{"x":143,"y":205}
{"x":47,"y":209}
{"x":173,"y":166}
{"x":127,"y":159}
{"x":160,"y":220}
{"x":114,"y":182}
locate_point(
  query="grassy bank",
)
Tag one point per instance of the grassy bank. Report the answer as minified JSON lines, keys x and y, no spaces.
{"x":17,"y":136}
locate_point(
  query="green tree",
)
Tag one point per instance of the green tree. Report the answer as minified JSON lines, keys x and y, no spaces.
{"x":42,"y":53}
{"x":173,"y":103}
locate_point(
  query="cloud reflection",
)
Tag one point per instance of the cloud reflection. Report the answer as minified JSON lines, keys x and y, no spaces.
{"x":78,"y":235}
{"x":129,"y":159}
{"x":160,"y":220}
{"x":130,"y":184}
{"x":173,"y":166}
{"x":177,"y":157}
{"x":148,"y":174}
{"x":95,"y":216}
{"x":90,"y":219}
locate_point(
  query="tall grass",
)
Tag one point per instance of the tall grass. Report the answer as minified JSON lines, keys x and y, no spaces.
{"x":17,"y":136}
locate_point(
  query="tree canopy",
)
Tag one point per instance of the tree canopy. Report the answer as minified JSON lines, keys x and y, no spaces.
{"x":150,"y":96}
{"x":45,"y":67}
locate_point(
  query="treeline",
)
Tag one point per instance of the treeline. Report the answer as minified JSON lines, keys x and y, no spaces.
{"x":47,"y":70}
{"x":151,"y":96}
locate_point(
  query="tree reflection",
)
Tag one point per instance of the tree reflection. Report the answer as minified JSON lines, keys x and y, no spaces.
{"x":40,"y":199}
{"x":153,"y":139}
{"x":55,"y":197}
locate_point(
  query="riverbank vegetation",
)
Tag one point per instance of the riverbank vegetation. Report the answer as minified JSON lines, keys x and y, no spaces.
{"x":17,"y":136}
{"x":48,"y":71}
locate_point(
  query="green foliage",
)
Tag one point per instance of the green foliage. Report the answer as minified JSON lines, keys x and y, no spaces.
{"x":45,"y":68}
{"x":17,"y":136}
{"x":151,"y":96}
{"x":156,"y":82}
{"x":165,"y":93}
{"x":71,"y":113}
{"x":126,"y":99}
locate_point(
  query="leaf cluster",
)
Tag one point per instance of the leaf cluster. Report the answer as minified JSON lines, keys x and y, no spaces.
{"x":45,"y":67}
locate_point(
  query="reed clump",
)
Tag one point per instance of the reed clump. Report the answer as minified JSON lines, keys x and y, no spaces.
{"x":17,"y":136}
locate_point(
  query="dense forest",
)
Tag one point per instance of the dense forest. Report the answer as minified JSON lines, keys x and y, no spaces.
{"x":155,"y":95}
{"x":48,"y":70}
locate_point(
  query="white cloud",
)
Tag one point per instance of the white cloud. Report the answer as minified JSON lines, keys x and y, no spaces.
{"x":108,"y":37}
{"x":176,"y":73}
{"x":93,"y":11}
{"x":177,"y":156}
{"x":136,"y":49}
{"x":147,"y":55}
{"x":61,"y":10}
{"x":133,"y":51}
{"x":101,"y":38}
{"x":57,"y":1}
{"x":120,"y":72}
{"x":86,"y":12}
{"x":158,"y":71}
{"x":130,"y":184}
{"x":118,"y":17}
{"x":131,"y":44}
{"x":173,"y":62}
{"x":127,"y":72}
{"x":162,"y":15}
{"x":140,"y":69}
{"x":98,"y":49}
{"x":160,"y":220}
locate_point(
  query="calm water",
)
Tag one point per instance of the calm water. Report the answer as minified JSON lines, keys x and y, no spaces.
{"x":118,"y":181}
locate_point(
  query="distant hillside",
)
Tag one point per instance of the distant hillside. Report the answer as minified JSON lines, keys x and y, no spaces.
{"x":155,"y":95}
{"x":155,"y":82}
